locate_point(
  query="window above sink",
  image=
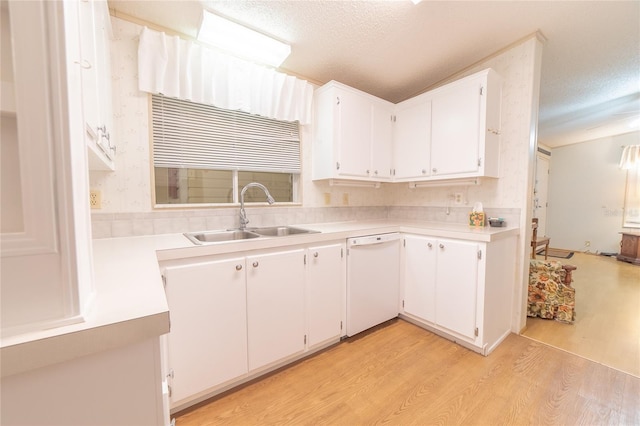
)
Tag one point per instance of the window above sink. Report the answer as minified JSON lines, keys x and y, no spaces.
{"x":204,"y":155}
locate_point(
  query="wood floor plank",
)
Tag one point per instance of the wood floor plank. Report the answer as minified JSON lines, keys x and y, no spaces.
{"x":403,"y":375}
{"x":607,"y":325}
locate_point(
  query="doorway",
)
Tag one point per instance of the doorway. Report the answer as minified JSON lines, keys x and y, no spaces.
{"x":541,"y":191}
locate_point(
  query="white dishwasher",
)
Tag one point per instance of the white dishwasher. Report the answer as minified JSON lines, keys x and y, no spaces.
{"x":373,"y":280}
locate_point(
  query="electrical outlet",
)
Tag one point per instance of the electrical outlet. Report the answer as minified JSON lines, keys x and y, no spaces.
{"x":327,"y":198}
{"x":457,"y":198}
{"x":95,"y":199}
{"x":345,"y":199}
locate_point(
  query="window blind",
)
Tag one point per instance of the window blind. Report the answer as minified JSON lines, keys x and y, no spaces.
{"x":192,"y":135}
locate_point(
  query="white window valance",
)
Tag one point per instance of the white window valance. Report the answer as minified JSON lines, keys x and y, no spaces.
{"x":187,"y":70}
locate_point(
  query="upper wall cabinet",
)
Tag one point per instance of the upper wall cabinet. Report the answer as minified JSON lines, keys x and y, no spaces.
{"x":447,"y":133}
{"x":352,"y":136}
{"x":95,"y":35}
{"x":412,"y":138}
{"x":465,"y":127}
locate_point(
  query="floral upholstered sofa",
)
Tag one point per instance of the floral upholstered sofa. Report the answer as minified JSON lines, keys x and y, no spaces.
{"x":550,"y":293}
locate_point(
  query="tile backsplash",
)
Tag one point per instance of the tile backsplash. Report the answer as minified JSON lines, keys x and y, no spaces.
{"x":110,"y":225}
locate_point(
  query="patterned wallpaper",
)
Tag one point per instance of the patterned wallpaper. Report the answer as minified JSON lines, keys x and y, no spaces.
{"x":126,"y":193}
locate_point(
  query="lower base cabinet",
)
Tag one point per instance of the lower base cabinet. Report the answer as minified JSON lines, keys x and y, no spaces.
{"x":234,"y":318}
{"x":460,"y":289}
{"x":207,"y":344}
{"x":275,"y":306}
{"x":326,"y":272}
{"x":456,"y":286}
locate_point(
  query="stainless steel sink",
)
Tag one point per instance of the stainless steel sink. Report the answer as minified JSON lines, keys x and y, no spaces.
{"x":212,"y":237}
{"x":219,"y":236}
{"x":281,"y":231}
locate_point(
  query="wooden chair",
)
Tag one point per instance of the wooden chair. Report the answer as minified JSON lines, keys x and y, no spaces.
{"x":538,"y":241}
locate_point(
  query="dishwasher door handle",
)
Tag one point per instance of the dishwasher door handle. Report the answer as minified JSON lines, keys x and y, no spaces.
{"x":373,"y":239}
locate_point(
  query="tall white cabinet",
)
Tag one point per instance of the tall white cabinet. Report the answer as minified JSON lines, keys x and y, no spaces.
{"x":50,"y":212}
{"x":47,"y":277}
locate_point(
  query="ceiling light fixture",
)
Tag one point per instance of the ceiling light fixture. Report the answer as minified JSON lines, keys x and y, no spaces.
{"x":415,"y":1}
{"x":241,"y":41}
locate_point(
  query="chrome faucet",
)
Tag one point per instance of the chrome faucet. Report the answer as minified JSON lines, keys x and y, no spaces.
{"x":243,"y":214}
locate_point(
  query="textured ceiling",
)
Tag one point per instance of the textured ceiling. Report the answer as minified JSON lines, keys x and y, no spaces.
{"x":394,"y":49}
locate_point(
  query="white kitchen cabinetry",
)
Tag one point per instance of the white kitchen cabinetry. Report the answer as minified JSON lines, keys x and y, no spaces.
{"x":419,"y":277}
{"x":460,"y":289}
{"x":275,"y":306}
{"x":46,"y":221}
{"x":236,"y":317}
{"x":352,"y":134}
{"x":456,"y":285}
{"x":465,"y":127}
{"x":447,"y":133}
{"x":96,"y":33}
{"x":381,"y":140}
{"x":207,"y":345}
{"x":325,"y":293}
{"x":412,"y":138}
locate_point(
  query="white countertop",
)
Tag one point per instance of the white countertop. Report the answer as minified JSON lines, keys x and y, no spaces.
{"x":130,"y":303}
{"x":336,"y":231}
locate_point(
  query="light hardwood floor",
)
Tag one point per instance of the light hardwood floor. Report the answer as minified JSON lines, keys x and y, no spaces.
{"x":401,"y":375}
{"x":607,"y":325}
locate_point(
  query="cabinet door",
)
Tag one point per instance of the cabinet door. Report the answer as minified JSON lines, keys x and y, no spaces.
{"x":455,"y":129}
{"x":207,"y":344}
{"x":381,"y":140}
{"x":275,"y":306}
{"x":325,"y":292}
{"x":354,"y":133}
{"x":90,"y":83}
{"x":456,"y":286}
{"x":412,"y":138}
{"x":95,"y":28}
{"x":419,"y":277}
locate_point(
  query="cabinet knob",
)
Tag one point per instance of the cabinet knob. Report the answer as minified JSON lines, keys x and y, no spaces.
{"x":238,"y":267}
{"x":367,"y":171}
{"x":255,"y":264}
{"x":434,"y":170}
{"x":429,"y":245}
{"x":315,"y":254}
{"x":375,"y":172}
{"x":424,"y":171}
{"x":441,"y":246}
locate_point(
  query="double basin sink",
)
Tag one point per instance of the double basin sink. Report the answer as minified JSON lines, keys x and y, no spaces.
{"x":211,"y":237}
